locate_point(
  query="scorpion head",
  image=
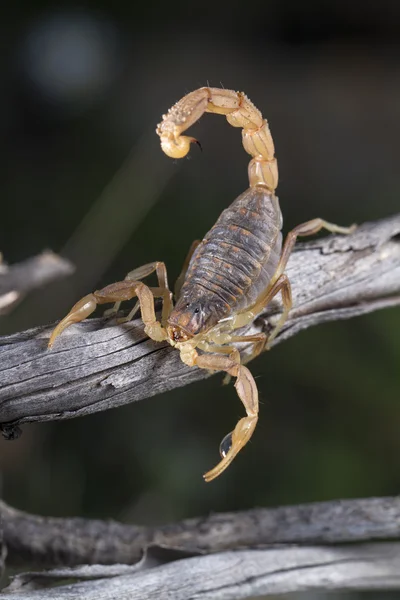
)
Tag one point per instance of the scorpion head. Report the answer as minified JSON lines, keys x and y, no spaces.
{"x":190,"y":318}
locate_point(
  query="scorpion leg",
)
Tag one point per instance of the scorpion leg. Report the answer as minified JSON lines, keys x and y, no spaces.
{"x":182,"y":275}
{"x":282,"y":285}
{"x":141,"y":273}
{"x":248,"y":394}
{"x":280,"y":281}
{"x":258,"y":340}
{"x":117,"y":292}
{"x":308,"y":228}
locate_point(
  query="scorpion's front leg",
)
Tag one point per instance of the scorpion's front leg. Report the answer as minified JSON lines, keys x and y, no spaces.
{"x":247,"y":392}
{"x":117,"y":292}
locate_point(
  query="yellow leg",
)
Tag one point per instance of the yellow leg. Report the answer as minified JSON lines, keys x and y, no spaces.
{"x":141,"y":273}
{"x":308,"y":228}
{"x":258,"y":340}
{"x":280,"y":281}
{"x":117,"y":292}
{"x":282,"y":285}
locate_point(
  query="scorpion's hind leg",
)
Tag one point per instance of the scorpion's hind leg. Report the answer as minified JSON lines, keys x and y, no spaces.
{"x":248,"y":394}
{"x":308,"y":228}
{"x":282,"y":285}
{"x":262,"y":340}
{"x":117,"y":292}
{"x":280,"y":281}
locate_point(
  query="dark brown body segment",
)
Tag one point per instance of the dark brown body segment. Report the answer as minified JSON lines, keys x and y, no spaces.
{"x":236,"y":260}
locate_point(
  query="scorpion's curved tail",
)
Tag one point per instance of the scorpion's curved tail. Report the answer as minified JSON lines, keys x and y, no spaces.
{"x":240,"y":112}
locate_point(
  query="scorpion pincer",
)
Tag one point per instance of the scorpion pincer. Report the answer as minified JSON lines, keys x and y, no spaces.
{"x":229,"y":276}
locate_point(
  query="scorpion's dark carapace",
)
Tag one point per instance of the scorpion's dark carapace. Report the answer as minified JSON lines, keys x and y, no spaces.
{"x":230,"y":276}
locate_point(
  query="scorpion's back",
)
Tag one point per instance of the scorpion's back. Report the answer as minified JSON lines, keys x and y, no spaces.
{"x":238,"y":256}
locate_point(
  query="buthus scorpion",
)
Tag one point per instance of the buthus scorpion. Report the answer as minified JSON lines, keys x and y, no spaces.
{"x":228,"y":277}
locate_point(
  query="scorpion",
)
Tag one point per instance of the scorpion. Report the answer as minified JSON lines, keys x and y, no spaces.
{"x":230,"y":276}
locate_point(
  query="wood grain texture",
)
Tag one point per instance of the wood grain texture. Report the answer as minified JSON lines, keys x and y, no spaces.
{"x":97,"y":365}
{"x":48,"y":541}
{"x":235,"y":575}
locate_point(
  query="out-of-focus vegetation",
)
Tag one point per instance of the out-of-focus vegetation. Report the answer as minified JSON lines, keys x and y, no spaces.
{"x":82,"y":173}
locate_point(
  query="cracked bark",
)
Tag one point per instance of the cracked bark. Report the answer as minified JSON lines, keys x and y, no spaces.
{"x":329,"y":545}
{"x":97,"y":365}
{"x":234,"y":575}
{"x":50,"y":541}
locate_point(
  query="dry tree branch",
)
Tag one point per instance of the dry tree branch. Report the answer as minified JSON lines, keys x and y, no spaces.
{"x":51,"y":541}
{"x":223,"y":556}
{"x":227,"y":576}
{"x":98,"y":365}
{"x":19,"y":279}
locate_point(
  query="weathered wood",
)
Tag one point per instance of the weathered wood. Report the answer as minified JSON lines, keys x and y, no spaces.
{"x":49,"y":541}
{"x":223,"y":556}
{"x":98,"y":365}
{"x":19,"y":279}
{"x":241,"y":574}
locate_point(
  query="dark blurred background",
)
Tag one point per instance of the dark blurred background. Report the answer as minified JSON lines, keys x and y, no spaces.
{"x":83,"y":88}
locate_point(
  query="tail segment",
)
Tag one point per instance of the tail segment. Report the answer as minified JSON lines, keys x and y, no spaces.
{"x":240,"y":112}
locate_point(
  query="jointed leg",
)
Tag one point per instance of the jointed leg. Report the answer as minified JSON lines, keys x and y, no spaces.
{"x":281,"y":283}
{"x":304,"y":229}
{"x":141,"y":273}
{"x":258,"y":340}
{"x":248,"y":394}
{"x":161,"y":272}
{"x":117,"y":292}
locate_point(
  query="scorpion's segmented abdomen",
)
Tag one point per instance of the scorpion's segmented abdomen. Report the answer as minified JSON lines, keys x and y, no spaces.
{"x":240,"y":253}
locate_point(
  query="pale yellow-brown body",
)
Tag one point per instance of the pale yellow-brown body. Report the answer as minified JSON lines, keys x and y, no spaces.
{"x":188,"y":326}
